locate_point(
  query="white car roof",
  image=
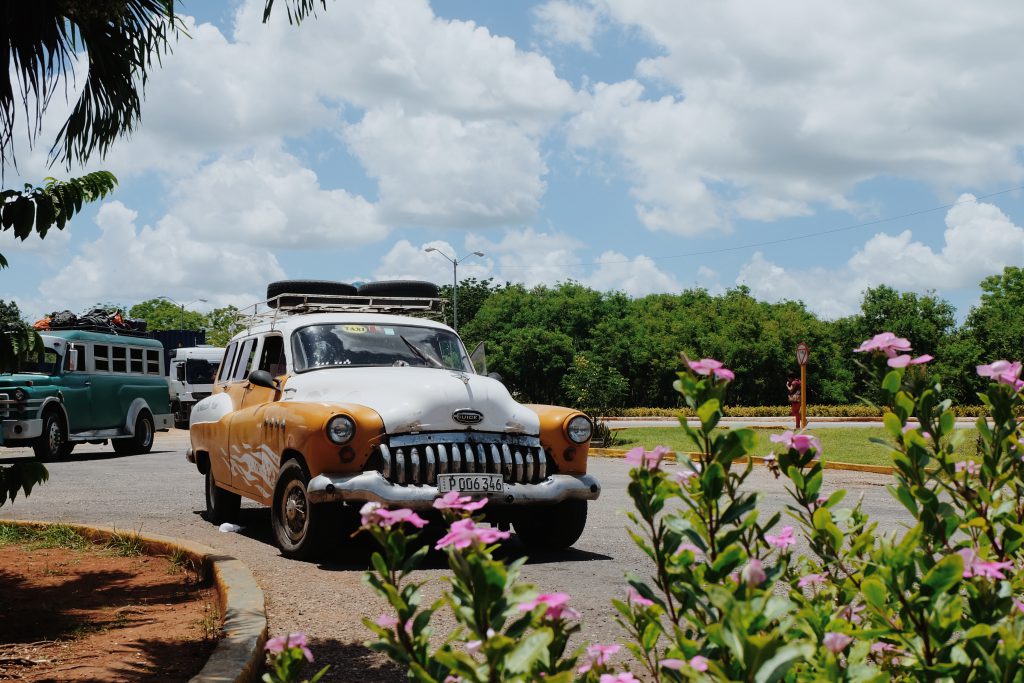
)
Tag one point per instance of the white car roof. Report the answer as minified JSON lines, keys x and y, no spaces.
{"x":289,"y":322}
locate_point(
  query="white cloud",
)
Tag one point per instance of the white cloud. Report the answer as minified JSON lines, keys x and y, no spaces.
{"x":438,"y":170}
{"x":775,"y":108}
{"x":130,"y":263}
{"x":979,"y":240}
{"x":406,"y":261}
{"x":268,"y":198}
{"x":567,"y":23}
{"x":637,"y":277}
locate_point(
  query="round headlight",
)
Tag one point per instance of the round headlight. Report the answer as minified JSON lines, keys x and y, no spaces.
{"x":341,"y":429}
{"x":579,"y":429}
{"x":19,"y":395}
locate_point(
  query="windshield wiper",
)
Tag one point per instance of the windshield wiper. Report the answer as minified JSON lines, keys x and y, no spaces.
{"x":419,"y":353}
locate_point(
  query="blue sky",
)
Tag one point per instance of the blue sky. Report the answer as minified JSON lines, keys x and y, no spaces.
{"x":638,"y":145}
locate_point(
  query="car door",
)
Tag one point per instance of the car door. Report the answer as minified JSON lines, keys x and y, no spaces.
{"x":76,"y":382}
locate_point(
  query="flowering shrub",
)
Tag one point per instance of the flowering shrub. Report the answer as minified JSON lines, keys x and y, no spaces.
{"x":727,"y":597}
{"x":286,"y":656}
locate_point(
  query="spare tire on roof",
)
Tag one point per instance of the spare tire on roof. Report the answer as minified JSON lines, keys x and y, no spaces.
{"x":307,"y":291}
{"x":400,"y":288}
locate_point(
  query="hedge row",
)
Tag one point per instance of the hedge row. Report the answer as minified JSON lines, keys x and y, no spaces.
{"x":855,"y":410}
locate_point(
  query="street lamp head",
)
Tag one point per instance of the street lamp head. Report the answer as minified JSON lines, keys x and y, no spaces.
{"x":430,"y":249}
{"x":478,"y":253}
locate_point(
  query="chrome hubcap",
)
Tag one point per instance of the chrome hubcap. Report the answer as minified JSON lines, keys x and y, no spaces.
{"x":54,"y":437}
{"x":296,"y":510}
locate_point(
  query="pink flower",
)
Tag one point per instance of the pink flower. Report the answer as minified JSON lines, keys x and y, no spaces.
{"x":386,"y":621}
{"x":281,"y":643}
{"x":683,"y":476}
{"x":811,"y":579}
{"x":686,"y":545}
{"x":799,"y":442}
{"x":465,"y":532}
{"x":643,"y":459}
{"x":598,"y":655}
{"x":836,"y":642}
{"x":473,"y":646}
{"x":851,"y":613}
{"x":699,"y":663}
{"x":374,"y":514}
{"x":624,"y":677}
{"x":453,"y":501}
{"x":634,"y":598}
{"x":1003,"y":372}
{"x":905,"y":360}
{"x":753,"y":574}
{"x":974,"y":566}
{"x":886,"y":342}
{"x":452,"y":678}
{"x":674,"y":664}
{"x":971,"y":467}
{"x":782,"y":540}
{"x":883,"y":647}
{"x":1018,"y":605}
{"x":710,"y":366}
{"x":555,"y":603}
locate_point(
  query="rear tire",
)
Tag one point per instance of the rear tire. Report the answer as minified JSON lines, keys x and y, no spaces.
{"x":52,"y":444}
{"x":139,"y":443}
{"x":302,"y":530}
{"x":552,"y":527}
{"x":221,"y":506}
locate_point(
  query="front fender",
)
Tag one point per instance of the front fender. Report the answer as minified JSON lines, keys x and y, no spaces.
{"x":569,"y":457}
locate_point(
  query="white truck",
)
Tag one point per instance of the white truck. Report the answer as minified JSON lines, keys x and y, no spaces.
{"x":191,"y":374}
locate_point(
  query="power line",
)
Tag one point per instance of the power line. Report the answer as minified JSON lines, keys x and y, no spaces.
{"x":781,"y":240}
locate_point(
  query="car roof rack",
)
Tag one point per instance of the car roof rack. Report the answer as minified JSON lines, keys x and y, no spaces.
{"x":286,"y":304}
{"x":105,"y":329}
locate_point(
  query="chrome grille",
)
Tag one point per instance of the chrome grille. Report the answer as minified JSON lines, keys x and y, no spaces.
{"x":419,"y":458}
{"x":4,"y":398}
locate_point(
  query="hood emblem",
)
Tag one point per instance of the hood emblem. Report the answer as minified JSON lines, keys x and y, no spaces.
{"x":463,"y":376}
{"x":468,"y":417}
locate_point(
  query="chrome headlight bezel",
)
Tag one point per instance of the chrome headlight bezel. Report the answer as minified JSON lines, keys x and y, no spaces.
{"x":579,"y":429}
{"x":340,"y":429}
{"x":19,"y":395}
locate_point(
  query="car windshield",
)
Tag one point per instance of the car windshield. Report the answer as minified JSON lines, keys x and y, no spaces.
{"x":199,"y":371}
{"x":49,"y":366}
{"x":363,"y":345}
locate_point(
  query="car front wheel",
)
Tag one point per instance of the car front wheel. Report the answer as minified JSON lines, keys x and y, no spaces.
{"x":552,"y":527}
{"x":301,"y":528}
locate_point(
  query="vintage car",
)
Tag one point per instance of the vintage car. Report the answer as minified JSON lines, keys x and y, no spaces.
{"x":89,"y":386}
{"x":334,"y":396}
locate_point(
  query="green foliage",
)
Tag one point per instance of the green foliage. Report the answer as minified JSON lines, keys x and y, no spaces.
{"x":37,"y":209}
{"x":161,"y":314}
{"x":221,"y":325}
{"x":592,"y":387}
{"x":20,"y":476}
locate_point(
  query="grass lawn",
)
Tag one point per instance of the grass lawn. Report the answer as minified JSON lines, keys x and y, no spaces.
{"x":840,"y":444}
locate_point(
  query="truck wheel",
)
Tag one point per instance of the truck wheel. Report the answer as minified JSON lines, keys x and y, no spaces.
{"x":552,"y":527}
{"x":139,"y":443}
{"x":301,"y":529}
{"x":221,"y":506}
{"x":51,"y":443}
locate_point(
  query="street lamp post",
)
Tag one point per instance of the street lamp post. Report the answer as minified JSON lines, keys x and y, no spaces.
{"x":181,"y":319}
{"x":455,"y":281}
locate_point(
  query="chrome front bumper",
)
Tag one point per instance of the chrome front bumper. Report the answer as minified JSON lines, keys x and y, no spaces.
{"x":371,"y":486}
{"x":16,"y":430}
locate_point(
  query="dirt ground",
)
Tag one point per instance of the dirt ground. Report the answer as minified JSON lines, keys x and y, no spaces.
{"x":89,"y":615}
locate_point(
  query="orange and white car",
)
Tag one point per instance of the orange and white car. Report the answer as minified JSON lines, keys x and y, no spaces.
{"x":335,"y":396}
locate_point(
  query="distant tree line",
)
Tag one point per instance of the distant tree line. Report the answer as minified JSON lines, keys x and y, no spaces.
{"x":569,"y":344}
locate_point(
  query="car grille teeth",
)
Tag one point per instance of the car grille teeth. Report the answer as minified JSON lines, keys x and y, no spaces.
{"x":420,"y":464}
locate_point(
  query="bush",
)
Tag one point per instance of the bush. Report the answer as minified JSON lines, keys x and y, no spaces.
{"x":727,"y":598}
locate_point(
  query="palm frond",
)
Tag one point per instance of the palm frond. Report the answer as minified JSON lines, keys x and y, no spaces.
{"x":40,"y":39}
{"x":297,"y":9}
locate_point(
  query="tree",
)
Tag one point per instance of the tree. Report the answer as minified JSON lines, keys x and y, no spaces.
{"x":161,"y":314}
{"x":996,"y":324}
{"x":222,"y":324}
{"x":593,"y":387}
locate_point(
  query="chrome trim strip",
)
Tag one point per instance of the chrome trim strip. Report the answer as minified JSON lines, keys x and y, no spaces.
{"x":414,"y":457}
{"x":426,"y":438}
{"x":467,"y":458}
{"x":400,"y":461}
{"x":481,"y":458}
{"x":442,"y":459}
{"x":519,"y":465}
{"x":506,"y":461}
{"x":529,"y":465}
{"x":456,"y":459}
{"x":431,"y":478}
{"x":542,"y":465}
{"x":496,"y":460}
{"x":385,"y":459}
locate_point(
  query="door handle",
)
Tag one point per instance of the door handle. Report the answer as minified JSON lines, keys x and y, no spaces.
{"x":88,"y":383}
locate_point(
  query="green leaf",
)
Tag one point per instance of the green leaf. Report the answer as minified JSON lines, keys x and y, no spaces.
{"x":892,"y":380}
{"x":529,"y":650}
{"x":874,"y":592}
{"x":709,"y":412}
{"x":944,"y":575}
{"x":892,"y":424}
{"x":776,"y":667}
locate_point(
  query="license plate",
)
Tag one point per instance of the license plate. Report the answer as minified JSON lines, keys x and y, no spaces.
{"x":490,"y":484}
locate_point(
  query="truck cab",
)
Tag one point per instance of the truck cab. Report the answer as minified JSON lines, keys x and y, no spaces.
{"x":190,"y":378}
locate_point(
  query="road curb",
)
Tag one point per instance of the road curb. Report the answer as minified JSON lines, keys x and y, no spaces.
{"x":828,"y":465}
{"x":238,"y":656}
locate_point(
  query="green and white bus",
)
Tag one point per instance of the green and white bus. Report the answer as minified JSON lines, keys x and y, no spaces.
{"x":90,"y":387}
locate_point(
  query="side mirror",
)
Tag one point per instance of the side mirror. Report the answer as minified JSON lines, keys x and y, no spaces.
{"x":262,"y":378}
{"x":179,"y":372}
{"x":72,"y":359}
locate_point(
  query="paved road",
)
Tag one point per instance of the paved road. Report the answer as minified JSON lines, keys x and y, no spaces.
{"x":161,"y":493}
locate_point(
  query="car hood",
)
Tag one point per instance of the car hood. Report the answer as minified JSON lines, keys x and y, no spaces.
{"x":411,"y":399}
{"x":23,"y":380}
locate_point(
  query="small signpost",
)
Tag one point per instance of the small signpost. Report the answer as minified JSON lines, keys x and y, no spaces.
{"x":802,"y":354}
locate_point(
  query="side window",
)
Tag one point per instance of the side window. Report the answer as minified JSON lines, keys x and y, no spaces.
{"x":153,"y":362}
{"x":120,"y":356}
{"x":229,"y":359}
{"x":135,"y":366}
{"x":101,"y":357}
{"x":272,"y":358}
{"x":244,"y":359}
